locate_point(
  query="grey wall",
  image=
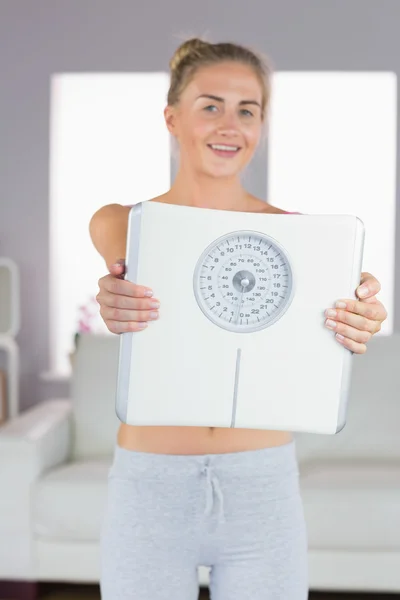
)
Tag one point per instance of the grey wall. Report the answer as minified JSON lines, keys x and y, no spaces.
{"x":43,"y":37}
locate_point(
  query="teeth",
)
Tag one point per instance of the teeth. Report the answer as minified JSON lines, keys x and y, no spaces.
{"x":223,"y":147}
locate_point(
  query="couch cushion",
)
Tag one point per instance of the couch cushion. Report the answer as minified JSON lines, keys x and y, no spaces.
{"x":373,"y":417}
{"x":68,"y":502}
{"x":352,"y":505}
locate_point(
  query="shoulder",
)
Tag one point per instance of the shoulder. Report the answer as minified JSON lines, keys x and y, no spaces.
{"x":260,"y":206}
{"x":107,"y":212}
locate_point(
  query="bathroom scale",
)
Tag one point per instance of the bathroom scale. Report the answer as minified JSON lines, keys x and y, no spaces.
{"x":240,"y":341}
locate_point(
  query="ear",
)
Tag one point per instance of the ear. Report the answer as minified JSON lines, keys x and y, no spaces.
{"x":170,"y":119}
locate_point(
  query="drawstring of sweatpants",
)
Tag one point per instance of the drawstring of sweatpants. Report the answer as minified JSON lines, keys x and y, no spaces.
{"x":213,"y":488}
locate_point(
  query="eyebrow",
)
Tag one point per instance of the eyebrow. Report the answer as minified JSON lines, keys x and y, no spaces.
{"x":218,"y":99}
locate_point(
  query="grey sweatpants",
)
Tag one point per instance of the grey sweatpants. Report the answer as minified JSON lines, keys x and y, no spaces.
{"x":238,"y":513}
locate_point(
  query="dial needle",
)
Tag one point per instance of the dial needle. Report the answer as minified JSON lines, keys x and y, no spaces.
{"x":241,"y":299}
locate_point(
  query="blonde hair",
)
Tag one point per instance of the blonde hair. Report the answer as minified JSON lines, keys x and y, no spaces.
{"x":196,"y":53}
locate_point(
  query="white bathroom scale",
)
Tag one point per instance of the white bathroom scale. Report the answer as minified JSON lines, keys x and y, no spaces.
{"x":240,"y":341}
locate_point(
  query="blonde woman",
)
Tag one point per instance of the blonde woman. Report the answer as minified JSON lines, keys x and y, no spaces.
{"x":180,"y":497}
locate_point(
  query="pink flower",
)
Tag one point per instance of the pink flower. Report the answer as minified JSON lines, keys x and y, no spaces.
{"x":87,"y":315}
{"x":84,"y":327}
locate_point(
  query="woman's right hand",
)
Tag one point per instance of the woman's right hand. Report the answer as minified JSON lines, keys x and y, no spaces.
{"x":125,"y":306}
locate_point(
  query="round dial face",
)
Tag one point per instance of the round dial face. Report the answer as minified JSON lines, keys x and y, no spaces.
{"x":243,"y":281}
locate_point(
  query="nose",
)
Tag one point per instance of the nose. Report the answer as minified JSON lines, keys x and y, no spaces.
{"x":227,"y":132}
{"x":228,"y":126}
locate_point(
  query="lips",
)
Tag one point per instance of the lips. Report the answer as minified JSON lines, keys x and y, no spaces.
{"x":224,"y":150}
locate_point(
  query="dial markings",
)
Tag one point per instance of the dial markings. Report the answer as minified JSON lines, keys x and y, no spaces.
{"x":245,"y":290}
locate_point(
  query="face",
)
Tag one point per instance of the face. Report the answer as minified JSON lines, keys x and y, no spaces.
{"x":218,"y":121}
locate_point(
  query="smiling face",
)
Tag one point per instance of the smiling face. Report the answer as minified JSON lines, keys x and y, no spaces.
{"x":218,"y":119}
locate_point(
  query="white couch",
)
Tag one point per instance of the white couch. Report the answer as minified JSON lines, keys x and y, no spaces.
{"x":55,"y":457}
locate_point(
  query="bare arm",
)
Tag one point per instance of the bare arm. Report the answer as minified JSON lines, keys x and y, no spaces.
{"x":124,"y":305}
{"x":108,"y":230}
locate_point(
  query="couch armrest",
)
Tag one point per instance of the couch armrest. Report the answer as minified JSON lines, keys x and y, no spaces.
{"x":30,"y":444}
{"x":36,"y":440}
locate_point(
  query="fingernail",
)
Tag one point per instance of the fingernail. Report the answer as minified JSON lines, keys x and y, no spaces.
{"x":340,"y":304}
{"x":142,"y":325}
{"x":363,"y":291}
{"x":330,"y":323}
{"x":154,"y":315}
{"x":155,"y":305}
{"x":148,"y":293}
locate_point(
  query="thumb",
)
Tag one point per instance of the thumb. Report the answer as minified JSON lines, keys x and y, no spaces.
{"x":118,"y":268}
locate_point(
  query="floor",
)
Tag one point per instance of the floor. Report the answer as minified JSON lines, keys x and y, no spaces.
{"x":92,"y":593}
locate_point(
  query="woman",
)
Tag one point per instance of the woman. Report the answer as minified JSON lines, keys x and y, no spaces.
{"x":180,"y":497}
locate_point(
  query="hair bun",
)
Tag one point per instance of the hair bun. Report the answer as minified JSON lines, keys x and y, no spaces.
{"x":190,"y":47}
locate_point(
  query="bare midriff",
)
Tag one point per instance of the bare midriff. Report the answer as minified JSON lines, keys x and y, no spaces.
{"x":201,"y":440}
{"x":197,"y":440}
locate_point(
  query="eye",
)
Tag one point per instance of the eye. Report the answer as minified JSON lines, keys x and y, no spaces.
{"x":246,"y":113}
{"x":210,"y":108}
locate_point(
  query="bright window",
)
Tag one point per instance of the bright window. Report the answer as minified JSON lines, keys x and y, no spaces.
{"x":109,"y":144}
{"x":332,"y":149}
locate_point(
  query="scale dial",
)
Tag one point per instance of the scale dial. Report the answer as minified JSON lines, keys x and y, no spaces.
{"x":243,"y":281}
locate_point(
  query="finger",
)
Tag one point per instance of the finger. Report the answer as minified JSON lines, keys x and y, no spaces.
{"x":123,"y":287}
{"x":369,"y":300}
{"x":121,"y":262}
{"x":115,"y":314}
{"x":351,"y":345}
{"x":125,"y":326}
{"x":334,"y":317}
{"x":362,"y":311}
{"x":351,"y":333}
{"x":117,"y":270}
{"x":369,"y":286}
{"x":108,"y":300}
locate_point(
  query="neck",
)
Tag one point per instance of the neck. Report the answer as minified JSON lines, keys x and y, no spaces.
{"x":203,"y":191}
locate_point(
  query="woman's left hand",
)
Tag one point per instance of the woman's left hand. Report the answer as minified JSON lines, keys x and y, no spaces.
{"x":356,"y":321}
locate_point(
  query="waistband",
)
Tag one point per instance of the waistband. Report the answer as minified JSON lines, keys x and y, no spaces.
{"x":276,"y":459}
